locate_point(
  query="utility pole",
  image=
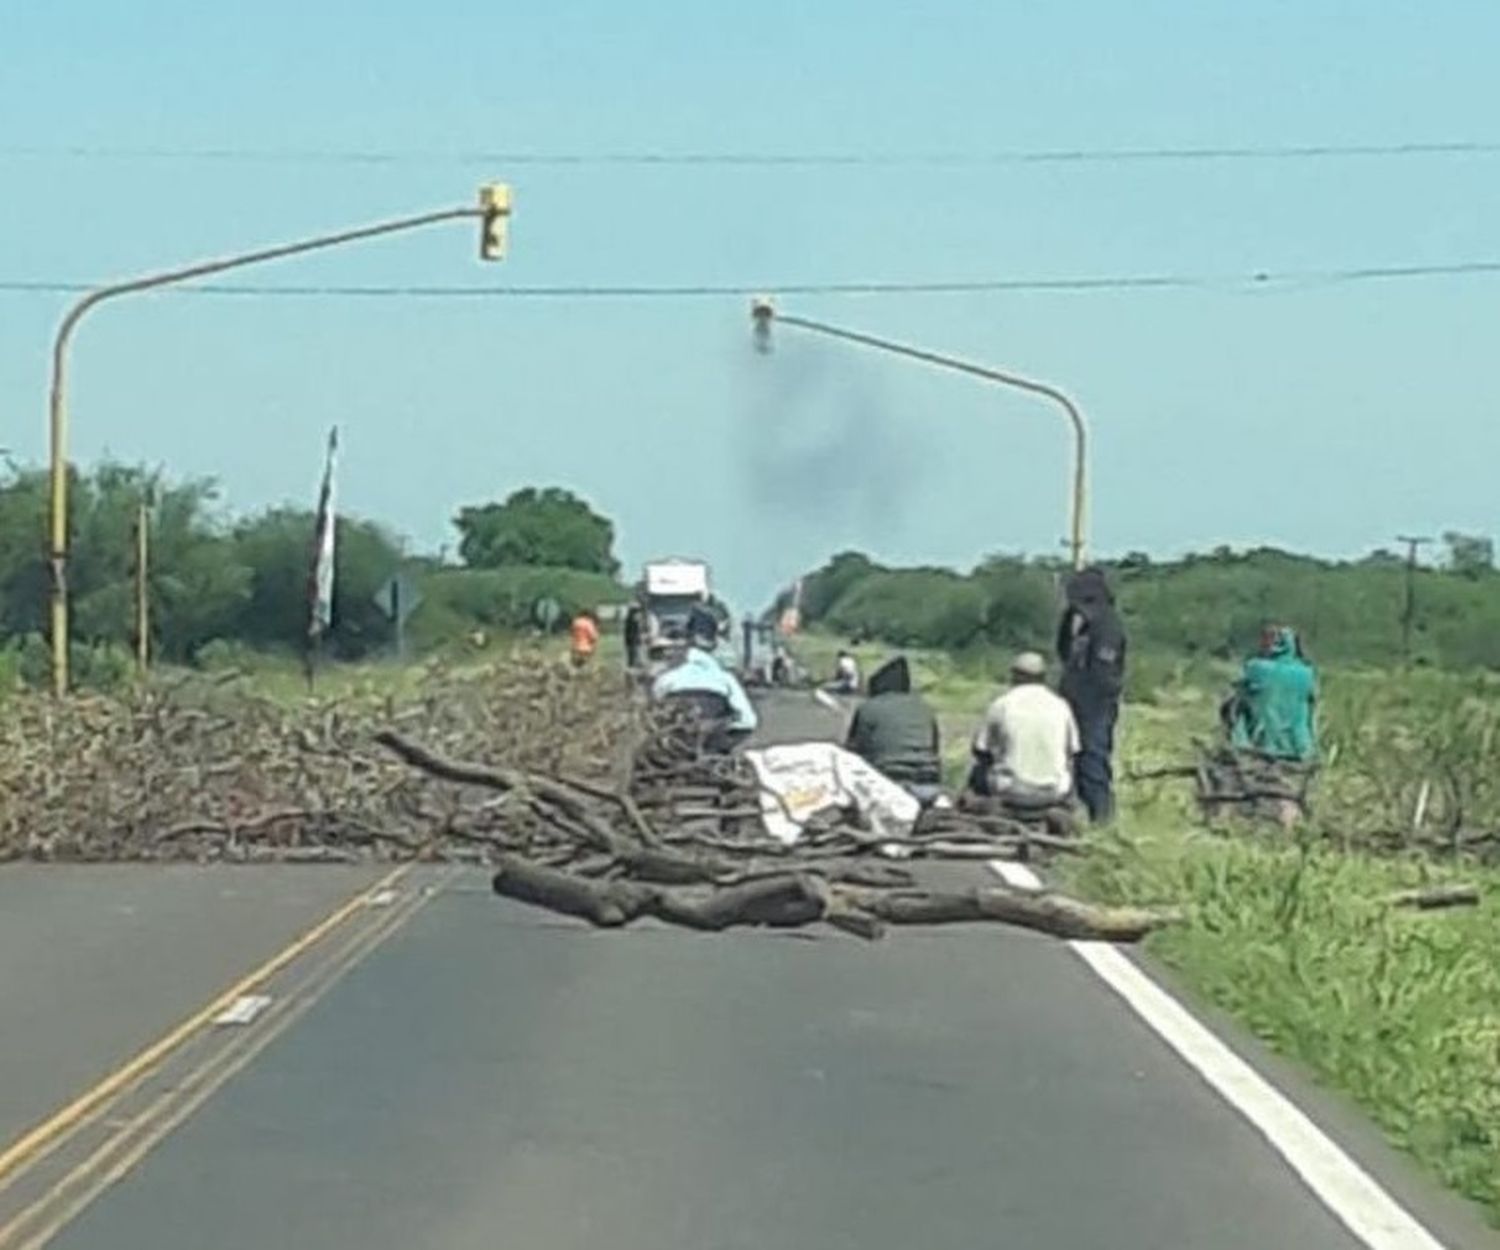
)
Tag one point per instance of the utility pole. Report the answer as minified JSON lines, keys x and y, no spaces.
{"x":142,"y":588}
{"x":493,"y":212}
{"x":1409,"y":614}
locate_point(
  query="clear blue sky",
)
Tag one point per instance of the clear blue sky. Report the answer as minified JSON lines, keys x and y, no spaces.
{"x":1317,"y":415}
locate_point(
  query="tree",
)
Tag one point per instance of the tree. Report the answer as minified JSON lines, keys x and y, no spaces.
{"x":276,"y":548}
{"x":197,"y":589}
{"x":824,"y":588}
{"x":551,"y":527}
{"x":1470,"y":555}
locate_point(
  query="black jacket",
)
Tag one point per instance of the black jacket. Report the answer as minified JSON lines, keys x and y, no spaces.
{"x":1091,"y":643}
{"x":895,"y":730}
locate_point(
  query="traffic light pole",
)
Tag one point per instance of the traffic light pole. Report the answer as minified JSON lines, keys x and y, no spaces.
{"x":764,"y":312}
{"x":487,"y":210}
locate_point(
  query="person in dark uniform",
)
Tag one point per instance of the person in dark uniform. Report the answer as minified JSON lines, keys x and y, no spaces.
{"x":702,"y":626}
{"x":1091,"y":645}
{"x":633,"y":636}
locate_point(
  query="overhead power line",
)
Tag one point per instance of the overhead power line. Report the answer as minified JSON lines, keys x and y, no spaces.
{"x":1116,"y":282}
{"x":661,"y":157}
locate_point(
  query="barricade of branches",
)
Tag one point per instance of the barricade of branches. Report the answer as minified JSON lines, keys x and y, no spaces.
{"x":1403,"y":769}
{"x":581,"y":796}
{"x":682,"y":842}
{"x":200,"y":769}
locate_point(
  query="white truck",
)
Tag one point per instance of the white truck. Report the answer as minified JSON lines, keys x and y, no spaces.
{"x":669,"y":591}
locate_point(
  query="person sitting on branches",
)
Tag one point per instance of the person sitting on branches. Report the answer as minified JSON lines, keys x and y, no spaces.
{"x":1272,"y":709}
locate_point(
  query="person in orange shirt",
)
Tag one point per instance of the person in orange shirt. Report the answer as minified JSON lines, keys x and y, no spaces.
{"x":583,"y":637}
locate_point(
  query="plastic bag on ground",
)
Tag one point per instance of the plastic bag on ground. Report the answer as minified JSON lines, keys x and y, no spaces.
{"x":798,"y":779}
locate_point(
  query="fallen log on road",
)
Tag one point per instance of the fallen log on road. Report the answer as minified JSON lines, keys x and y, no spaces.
{"x":789,"y":899}
{"x":1046,"y":912}
{"x":786,"y":899}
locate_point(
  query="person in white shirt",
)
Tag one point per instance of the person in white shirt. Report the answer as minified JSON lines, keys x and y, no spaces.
{"x":1024,"y":748}
{"x":846,"y":674}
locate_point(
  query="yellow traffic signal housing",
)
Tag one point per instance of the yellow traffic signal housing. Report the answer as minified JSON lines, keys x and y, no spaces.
{"x":494,"y":226}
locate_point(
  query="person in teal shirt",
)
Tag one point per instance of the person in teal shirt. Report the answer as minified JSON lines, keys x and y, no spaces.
{"x":1271,"y":711}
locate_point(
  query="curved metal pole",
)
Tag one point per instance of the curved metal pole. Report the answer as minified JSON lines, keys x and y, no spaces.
{"x":57,"y":409}
{"x":1075,"y":417}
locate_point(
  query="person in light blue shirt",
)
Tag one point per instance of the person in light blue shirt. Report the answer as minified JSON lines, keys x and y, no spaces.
{"x":700,"y":673}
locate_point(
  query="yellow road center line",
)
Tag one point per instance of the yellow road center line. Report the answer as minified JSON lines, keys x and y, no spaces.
{"x":54,"y":1126}
{"x":209,"y":1078}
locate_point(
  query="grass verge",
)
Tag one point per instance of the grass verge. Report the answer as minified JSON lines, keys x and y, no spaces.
{"x":1291,"y":934}
{"x":1400,"y":1010}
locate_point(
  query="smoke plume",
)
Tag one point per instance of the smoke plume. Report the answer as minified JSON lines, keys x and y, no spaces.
{"x":821,"y":443}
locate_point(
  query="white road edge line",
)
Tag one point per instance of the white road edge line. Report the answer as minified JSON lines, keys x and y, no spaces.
{"x":1338,"y":1181}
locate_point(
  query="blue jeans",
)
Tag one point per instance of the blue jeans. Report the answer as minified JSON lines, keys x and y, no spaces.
{"x":1093,"y":766}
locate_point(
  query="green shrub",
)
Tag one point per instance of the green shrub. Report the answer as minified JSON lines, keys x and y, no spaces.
{"x":455,"y":601}
{"x":1207,"y":607}
{"x":223,"y":654}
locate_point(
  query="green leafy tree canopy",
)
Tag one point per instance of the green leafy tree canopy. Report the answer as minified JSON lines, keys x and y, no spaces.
{"x":551,"y":527}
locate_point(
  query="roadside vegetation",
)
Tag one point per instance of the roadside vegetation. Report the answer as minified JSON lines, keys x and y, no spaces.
{"x":1291,"y":933}
{"x":1201,"y":608}
{"x":231,"y":592}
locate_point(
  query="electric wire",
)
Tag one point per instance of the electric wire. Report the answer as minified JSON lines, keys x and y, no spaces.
{"x":1040,"y":285}
{"x":751,"y":158}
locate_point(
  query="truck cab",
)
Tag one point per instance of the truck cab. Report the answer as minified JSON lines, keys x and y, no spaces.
{"x":669,"y":592}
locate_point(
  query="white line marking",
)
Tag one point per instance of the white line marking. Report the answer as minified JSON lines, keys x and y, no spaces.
{"x":245,"y":1009}
{"x":1338,"y":1181}
{"x":828,"y":701}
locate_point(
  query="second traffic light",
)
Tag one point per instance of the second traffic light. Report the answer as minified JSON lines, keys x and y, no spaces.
{"x":494,"y":225}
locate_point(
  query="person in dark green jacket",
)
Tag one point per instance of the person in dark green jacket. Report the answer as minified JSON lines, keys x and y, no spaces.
{"x":896,"y":731}
{"x":1271,"y":711}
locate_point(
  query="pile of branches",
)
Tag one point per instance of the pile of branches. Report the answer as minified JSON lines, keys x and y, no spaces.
{"x":1371,"y":801}
{"x":201,"y":769}
{"x":681,"y":841}
{"x":581,"y":796}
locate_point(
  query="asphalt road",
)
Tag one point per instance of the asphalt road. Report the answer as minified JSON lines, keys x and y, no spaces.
{"x":492,"y":1075}
{"x":98,"y":961}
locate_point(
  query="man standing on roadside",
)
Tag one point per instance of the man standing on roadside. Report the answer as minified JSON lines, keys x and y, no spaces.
{"x":583,"y":638}
{"x":633,"y":636}
{"x":1091,"y":646}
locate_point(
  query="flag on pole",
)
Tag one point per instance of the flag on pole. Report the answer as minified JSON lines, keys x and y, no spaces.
{"x":320,"y":579}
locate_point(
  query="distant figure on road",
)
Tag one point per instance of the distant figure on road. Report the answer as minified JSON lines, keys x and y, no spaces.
{"x":1091,"y":646}
{"x":702,"y":625}
{"x":633,"y":639}
{"x":1024,"y":749}
{"x":781,"y":666}
{"x":845,"y":674}
{"x":1271,"y":711}
{"x":896,"y":731}
{"x":583,"y":638}
{"x":545,"y":613}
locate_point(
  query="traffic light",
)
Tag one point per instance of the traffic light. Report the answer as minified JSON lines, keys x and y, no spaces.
{"x":762,"y":313}
{"x":494,"y":225}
